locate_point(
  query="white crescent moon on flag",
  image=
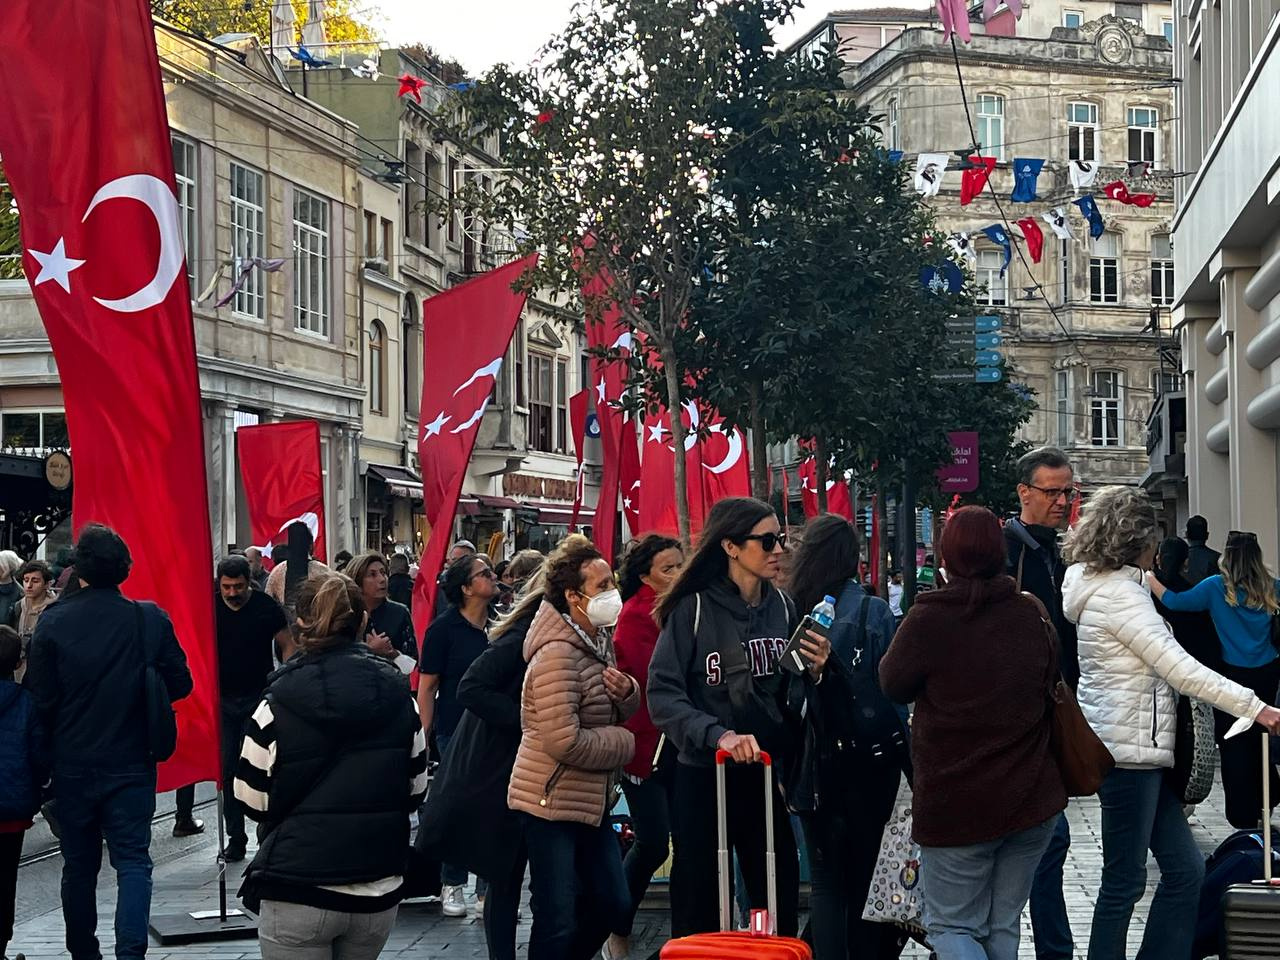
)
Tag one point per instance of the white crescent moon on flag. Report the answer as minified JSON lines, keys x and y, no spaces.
{"x":159,"y":199}
{"x":695,"y":418}
{"x":622,"y":343}
{"x":735,"y":449}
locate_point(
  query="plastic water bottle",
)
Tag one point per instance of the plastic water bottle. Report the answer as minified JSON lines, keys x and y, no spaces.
{"x":824,"y":614}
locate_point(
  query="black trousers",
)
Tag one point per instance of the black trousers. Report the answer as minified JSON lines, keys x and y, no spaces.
{"x":650,"y":804}
{"x":695,"y":885}
{"x":843,"y":845}
{"x":502,"y":909}
{"x":1242,"y":755}
{"x":10,"y":854}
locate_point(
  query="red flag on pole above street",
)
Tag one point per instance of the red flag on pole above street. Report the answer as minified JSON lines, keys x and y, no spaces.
{"x":716,"y":465}
{"x":607,"y":330}
{"x":91,"y":167}
{"x":455,"y":392}
{"x":283,"y":482}
{"x":839,"y":499}
{"x":578,"y":404}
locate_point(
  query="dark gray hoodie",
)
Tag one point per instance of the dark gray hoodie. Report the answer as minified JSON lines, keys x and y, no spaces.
{"x":687,"y":695}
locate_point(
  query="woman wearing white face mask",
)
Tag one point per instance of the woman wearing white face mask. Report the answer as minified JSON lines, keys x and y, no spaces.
{"x":572,"y":744}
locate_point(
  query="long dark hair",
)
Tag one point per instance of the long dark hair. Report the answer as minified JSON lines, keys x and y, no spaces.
{"x":825,"y":560}
{"x":639,"y":561}
{"x":730,"y":519}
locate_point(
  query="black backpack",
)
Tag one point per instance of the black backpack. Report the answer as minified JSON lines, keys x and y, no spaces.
{"x":162,"y":724}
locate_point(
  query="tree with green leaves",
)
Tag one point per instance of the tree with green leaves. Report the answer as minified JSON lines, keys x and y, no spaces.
{"x":10,"y":245}
{"x":342,"y":22}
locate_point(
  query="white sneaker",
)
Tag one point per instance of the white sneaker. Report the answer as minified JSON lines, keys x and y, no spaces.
{"x":479,"y":908}
{"x":454,"y":901}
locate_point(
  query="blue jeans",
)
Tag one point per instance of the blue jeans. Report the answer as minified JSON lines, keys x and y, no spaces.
{"x":451,"y":875}
{"x":116,"y":806}
{"x":974,"y":895}
{"x":1141,"y":813}
{"x":577,"y":891}
{"x":1049,"y":924}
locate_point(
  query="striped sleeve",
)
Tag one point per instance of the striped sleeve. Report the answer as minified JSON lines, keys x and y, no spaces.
{"x":417,"y":762}
{"x":257,"y":761}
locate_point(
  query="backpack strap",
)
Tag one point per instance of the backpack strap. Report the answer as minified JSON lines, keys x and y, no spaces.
{"x":697,"y":613}
{"x":860,"y":636}
{"x":1022,"y":555}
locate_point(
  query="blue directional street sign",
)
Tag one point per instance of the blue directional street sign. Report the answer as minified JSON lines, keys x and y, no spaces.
{"x":987,"y":341}
{"x":986,"y":324}
{"x":988,"y":375}
{"x":987,"y":358}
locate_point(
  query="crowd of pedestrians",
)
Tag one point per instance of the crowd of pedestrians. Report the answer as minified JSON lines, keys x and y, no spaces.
{"x":549,"y":688}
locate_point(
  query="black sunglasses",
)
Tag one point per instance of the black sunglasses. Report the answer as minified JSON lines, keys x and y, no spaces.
{"x":487,"y":573}
{"x":769,"y":541}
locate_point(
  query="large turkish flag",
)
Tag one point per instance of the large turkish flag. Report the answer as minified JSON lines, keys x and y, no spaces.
{"x":86,"y":150}
{"x":457,"y":384}
{"x":839,"y":500}
{"x":606,"y":330}
{"x":283,"y":481}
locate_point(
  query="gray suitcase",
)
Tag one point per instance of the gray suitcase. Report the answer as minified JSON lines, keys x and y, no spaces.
{"x":1251,"y":911}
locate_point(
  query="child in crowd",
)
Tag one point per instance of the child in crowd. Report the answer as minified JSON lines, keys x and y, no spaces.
{"x":23,"y":771}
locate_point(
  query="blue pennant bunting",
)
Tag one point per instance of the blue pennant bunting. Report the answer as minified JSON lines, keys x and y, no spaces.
{"x":1025,"y":172}
{"x":997,"y":234}
{"x":1091,"y":213}
{"x":946,"y":278}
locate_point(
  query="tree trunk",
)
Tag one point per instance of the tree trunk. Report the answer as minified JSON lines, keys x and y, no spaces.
{"x":882,"y":499}
{"x":907,"y":537}
{"x":759,"y":448}
{"x":820,"y":472}
{"x":672,"y":373}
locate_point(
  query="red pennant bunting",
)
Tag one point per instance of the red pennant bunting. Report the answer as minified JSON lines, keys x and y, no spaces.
{"x":974,"y":179}
{"x":1117,"y":190}
{"x":1033,"y":236}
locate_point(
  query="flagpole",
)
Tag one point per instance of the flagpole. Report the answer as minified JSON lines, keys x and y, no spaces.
{"x":222,"y":863}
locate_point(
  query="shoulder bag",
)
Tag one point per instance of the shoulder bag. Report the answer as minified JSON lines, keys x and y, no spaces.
{"x":162,"y":724}
{"x":1083,"y":759}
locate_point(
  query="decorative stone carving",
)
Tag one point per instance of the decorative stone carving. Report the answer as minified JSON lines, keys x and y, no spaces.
{"x":1114,"y":37}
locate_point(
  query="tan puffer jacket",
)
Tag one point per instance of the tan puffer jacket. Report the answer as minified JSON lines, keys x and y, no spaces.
{"x":572,"y":741}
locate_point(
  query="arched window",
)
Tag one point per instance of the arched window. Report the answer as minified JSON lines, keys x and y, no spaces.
{"x":894,"y":144}
{"x":411,"y":355}
{"x":377,"y":367}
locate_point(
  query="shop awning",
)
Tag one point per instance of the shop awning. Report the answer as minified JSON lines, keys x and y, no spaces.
{"x":400,"y":482}
{"x":552,"y":512}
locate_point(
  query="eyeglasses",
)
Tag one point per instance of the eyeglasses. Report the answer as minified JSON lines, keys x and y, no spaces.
{"x":1053,"y":493}
{"x":769,"y":541}
{"x":486,"y":573}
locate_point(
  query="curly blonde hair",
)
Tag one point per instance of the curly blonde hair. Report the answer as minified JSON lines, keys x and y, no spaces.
{"x":1116,"y":525}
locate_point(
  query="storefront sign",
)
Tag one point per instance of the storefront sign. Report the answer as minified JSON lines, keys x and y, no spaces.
{"x":961,"y":476}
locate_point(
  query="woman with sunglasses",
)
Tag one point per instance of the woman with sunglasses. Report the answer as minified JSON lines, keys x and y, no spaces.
{"x":1242,"y":602}
{"x":715,"y":684}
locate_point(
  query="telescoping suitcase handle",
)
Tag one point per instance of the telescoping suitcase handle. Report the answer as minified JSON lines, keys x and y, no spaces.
{"x":722,"y":831}
{"x":1266,"y":807}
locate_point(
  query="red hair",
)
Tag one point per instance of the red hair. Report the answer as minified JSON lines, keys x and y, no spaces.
{"x":972,"y":544}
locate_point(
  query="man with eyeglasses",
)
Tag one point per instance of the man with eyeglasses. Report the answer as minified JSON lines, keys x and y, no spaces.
{"x":452,"y":643}
{"x":1046,"y":489}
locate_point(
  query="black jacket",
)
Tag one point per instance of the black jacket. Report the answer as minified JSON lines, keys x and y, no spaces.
{"x":1035,"y":549}
{"x":466,"y":819}
{"x":24,"y":760}
{"x":339,"y":795}
{"x":394,"y":620}
{"x":1195,"y":632}
{"x":400,"y":589}
{"x":10,"y":594}
{"x":85,"y":671}
{"x":1202,"y":562}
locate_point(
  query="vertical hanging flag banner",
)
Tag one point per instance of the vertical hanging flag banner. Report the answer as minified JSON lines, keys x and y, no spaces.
{"x":630,"y":479}
{"x":1082,"y":174}
{"x":1025,"y":173}
{"x":929,"y":170}
{"x":839,"y":499}
{"x":283,"y":482}
{"x":578,"y":404}
{"x":1058,"y":223}
{"x":91,"y":167}
{"x":455,"y":392}
{"x":1033,"y":236}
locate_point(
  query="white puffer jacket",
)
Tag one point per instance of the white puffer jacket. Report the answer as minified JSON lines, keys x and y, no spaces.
{"x":1130,"y":666}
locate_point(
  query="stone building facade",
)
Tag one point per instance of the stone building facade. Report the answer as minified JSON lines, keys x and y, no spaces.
{"x":1077,"y":323}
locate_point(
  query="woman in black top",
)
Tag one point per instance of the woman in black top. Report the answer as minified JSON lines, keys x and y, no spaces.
{"x":715,"y":683}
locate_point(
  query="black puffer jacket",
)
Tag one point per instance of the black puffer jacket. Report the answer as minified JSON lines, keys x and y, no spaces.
{"x":338,"y":796}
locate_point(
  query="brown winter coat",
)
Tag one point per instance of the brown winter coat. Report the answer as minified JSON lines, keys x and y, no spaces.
{"x":572,"y":740}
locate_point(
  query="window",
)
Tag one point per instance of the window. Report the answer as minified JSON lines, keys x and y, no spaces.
{"x":431,"y":187}
{"x":1161,"y":271}
{"x":415,"y":194}
{"x":388,"y":240}
{"x":1166,"y":27}
{"x":893,"y":124}
{"x":1144,"y":135}
{"x":541,"y":402}
{"x":1064,"y":272}
{"x":988,"y":273}
{"x":1104,"y":409}
{"x":991,"y":124}
{"x":562,"y":406}
{"x":371,"y":238}
{"x":1072,"y":18}
{"x":249,"y":239}
{"x":411,"y":350}
{"x":451,"y":189}
{"x":377,"y":367}
{"x":1062,"y":406}
{"x":1104,"y":270}
{"x":1165,"y":381}
{"x":1082,"y":131}
{"x":184,"y":174}
{"x":311,"y":263}
{"x":33,"y":433}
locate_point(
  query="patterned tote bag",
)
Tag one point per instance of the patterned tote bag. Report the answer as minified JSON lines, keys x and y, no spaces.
{"x":896,"y":895}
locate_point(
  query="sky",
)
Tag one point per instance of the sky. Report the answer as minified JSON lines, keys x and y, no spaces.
{"x":480,"y":33}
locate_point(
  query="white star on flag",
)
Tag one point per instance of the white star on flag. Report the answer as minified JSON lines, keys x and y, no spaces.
{"x":656,"y":431}
{"x":433,"y":428}
{"x":56,"y":266}
{"x":600,"y":390}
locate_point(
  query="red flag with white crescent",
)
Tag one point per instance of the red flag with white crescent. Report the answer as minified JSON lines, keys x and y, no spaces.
{"x":283,"y":482}
{"x":86,"y":150}
{"x":456,"y":389}
{"x":578,"y":404}
{"x":630,"y":484}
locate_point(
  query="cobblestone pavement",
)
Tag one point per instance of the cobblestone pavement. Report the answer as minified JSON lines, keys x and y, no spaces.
{"x":186,"y":879}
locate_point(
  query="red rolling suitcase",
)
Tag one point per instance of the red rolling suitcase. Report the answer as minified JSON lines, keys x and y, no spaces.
{"x":1251,"y":911}
{"x":728,"y":944}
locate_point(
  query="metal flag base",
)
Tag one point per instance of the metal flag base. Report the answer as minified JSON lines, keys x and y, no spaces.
{"x":206,"y":926}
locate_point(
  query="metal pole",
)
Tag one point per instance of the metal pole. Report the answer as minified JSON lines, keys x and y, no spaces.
{"x":222,"y":864}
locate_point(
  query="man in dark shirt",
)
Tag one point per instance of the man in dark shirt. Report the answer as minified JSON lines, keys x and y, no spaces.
{"x":400,"y":584}
{"x":1202,"y":559}
{"x":452,"y":643}
{"x":390,"y":630}
{"x":84,"y":671}
{"x":249,"y":624}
